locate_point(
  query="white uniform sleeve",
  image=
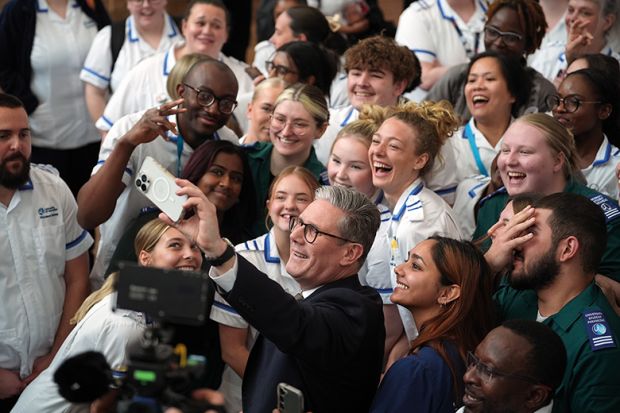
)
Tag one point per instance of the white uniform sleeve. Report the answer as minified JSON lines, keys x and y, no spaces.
{"x":223,"y":313}
{"x":116,"y":335}
{"x":442,"y":178}
{"x":78,"y":240}
{"x":98,"y":63}
{"x":415,"y":31}
{"x":132,"y":95}
{"x":116,"y":133}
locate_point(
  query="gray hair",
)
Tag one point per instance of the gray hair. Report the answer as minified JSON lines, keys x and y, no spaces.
{"x":361,"y":220}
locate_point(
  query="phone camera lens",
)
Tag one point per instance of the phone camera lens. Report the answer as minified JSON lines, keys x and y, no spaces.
{"x":138,"y":183}
{"x":143,"y":187}
{"x":144,"y":178}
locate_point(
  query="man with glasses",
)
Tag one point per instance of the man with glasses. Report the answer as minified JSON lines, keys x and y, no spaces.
{"x":169,"y":134}
{"x":516,"y":368}
{"x":552,"y":281}
{"x":329,"y":344}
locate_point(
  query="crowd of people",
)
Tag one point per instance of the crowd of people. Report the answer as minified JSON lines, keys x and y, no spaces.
{"x":421,"y":217}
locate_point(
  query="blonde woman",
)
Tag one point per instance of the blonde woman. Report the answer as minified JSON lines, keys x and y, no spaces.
{"x":98,"y":328}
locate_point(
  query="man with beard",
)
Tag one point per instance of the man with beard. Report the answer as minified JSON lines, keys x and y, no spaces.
{"x":43,"y":257}
{"x":516,"y":368}
{"x":552,"y":281}
{"x":169,"y":134}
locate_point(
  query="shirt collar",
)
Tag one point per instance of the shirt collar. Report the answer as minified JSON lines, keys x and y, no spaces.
{"x":271,"y":249}
{"x":571,"y":312}
{"x":401,"y":205}
{"x":604,"y":153}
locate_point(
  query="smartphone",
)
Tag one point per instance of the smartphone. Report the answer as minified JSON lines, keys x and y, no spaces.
{"x":290,"y":399}
{"x":253,"y":72}
{"x":157,"y":184}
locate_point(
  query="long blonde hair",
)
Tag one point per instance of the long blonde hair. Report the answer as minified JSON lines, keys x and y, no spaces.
{"x":147,"y":238}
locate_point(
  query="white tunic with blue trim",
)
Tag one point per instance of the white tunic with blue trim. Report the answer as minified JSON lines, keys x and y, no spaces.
{"x":98,"y":63}
{"x":40,"y":234}
{"x":601,"y":174}
{"x":144,"y":86}
{"x":418,"y":214}
{"x":170,"y":154}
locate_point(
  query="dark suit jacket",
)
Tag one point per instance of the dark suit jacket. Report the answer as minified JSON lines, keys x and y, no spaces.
{"x":329,"y":345}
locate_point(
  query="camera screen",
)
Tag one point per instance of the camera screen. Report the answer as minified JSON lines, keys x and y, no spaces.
{"x":165,"y":295}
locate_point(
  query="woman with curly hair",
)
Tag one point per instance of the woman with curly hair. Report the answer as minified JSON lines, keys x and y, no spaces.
{"x":402,"y":151}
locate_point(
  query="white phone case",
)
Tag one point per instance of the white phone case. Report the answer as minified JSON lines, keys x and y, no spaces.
{"x":157,"y":184}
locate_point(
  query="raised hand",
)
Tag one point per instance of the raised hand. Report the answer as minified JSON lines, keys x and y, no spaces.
{"x":507,"y":236}
{"x":154,"y":122}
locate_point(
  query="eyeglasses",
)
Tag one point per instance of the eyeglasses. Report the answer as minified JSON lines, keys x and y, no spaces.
{"x":491,"y":34}
{"x":206,"y":98}
{"x":487,"y":373}
{"x":571,"y":103}
{"x":310,"y":231}
{"x":279,"y":69}
{"x":299,"y":127}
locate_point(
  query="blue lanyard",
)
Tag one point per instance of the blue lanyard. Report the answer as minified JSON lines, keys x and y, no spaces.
{"x":179,"y":153}
{"x":216,"y":137}
{"x":469,"y":135}
{"x":346,"y":120}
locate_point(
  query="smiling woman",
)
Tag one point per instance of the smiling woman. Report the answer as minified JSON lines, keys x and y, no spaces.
{"x":445,"y":284}
{"x":289,"y":195}
{"x":300,"y":116}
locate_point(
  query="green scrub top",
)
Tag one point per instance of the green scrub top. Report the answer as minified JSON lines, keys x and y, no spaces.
{"x":591,"y":382}
{"x":491,"y":207}
{"x":259,"y":158}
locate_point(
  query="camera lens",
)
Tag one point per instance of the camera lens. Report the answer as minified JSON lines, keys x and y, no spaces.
{"x":138,"y":183}
{"x":144,"y":178}
{"x":143,"y":187}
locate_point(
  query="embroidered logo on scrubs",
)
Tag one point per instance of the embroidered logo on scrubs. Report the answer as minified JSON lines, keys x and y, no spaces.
{"x":608,"y":206}
{"x":599,"y":333}
{"x":47,"y":212}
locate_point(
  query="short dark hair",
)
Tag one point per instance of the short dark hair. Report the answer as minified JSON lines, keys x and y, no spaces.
{"x":216,"y":3}
{"x":312,"y":59}
{"x":575,"y":215}
{"x":531,"y":17}
{"x":605,"y":83}
{"x":10,"y":101}
{"x":310,"y":22}
{"x":546,"y":361}
{"x":517,"y":79}
{"x":238,"y":218}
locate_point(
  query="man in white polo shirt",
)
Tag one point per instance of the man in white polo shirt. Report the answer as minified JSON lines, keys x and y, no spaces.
{"x":108,"y":198}
{"x":43,"y":257}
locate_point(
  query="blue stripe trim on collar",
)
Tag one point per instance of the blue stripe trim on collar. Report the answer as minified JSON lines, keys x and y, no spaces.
{"x":414,"y":191}
{"x":268,"y":257}
{"x":605,"y":157}
{"x":130,"y":34}
{"x":173,"y":28}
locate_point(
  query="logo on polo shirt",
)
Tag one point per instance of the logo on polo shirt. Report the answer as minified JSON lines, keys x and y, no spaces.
{"x":47,"y":212}
{"x":599,"y":329}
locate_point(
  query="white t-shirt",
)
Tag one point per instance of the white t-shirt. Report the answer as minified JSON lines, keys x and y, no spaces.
{"x":102,"y":330}
{"x":96,"y":70}
{"x":468,"y":193}
{"x":40,"y":234}
{"x":131,"y":201}
{"x":61,"y":121}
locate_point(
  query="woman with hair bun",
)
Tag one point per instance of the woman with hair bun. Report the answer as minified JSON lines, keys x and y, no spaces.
{"x":403,"y":150}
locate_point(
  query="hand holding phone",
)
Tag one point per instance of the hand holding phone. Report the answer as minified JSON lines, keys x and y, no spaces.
{"x":157,"y":184}
{"x":290,"y":399}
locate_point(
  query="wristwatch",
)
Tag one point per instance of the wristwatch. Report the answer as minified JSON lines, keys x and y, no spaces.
{"x":228,"y":253}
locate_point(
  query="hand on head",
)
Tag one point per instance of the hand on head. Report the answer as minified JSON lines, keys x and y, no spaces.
{"x":507,"y":236}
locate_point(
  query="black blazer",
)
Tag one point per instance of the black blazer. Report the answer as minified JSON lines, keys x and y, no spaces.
{"x":329,"y":345}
